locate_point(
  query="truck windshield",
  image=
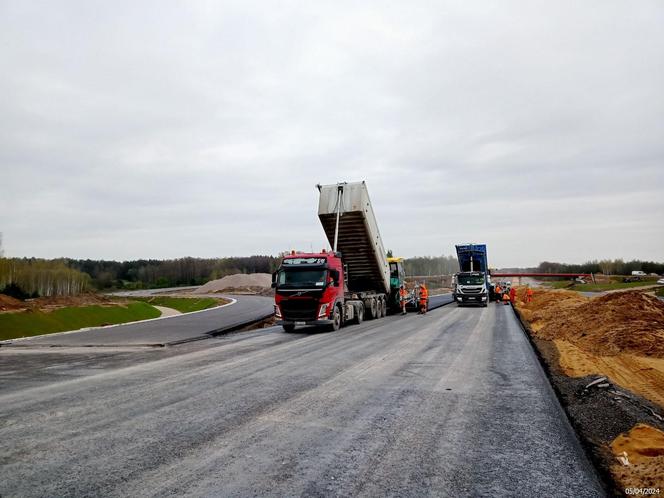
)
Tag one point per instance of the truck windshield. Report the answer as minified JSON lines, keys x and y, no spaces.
{"x":301,"y":278}
{"x":470,"y":279}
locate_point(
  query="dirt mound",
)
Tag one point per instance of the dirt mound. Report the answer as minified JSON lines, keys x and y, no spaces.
{"x":251,"y":282}
{"x":640,"y":454}
{"x":8,"y":303}
{"x":623,"y":322}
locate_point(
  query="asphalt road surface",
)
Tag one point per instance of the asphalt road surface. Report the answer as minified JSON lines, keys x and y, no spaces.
{"x":452,"y":403}
{"x":167,"y":331}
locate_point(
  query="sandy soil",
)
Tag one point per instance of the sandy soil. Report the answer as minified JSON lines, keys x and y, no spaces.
{"x":620,"y":335}
{"x":617,"y":335}
{"x":250,"y":283}
{"x":640,"y":457}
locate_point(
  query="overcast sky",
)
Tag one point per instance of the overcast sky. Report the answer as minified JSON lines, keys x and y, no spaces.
{"x":167,"y":129}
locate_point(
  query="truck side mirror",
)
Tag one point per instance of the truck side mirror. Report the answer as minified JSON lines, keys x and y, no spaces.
{"x":274,"y":280}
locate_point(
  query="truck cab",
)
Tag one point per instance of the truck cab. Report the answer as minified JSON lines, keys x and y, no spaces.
{"x":470,"y":288}
{"x":308,"y":287}
{"x":472,"y":282}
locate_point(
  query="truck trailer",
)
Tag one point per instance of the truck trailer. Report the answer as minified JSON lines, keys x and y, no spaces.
{"x":472,"y":283}
{"x":347,"y":284}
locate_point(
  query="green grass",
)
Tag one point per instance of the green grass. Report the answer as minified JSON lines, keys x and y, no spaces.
{"x":29,"y":323}
{"x":660,"y":292}
{"x":599,"y":287}
{"x":182,"y":304}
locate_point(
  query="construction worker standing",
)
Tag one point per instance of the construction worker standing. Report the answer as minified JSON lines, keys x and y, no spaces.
{"x":529,"y":295}
{"x":424,"y":296}
{"x":512,"y":295}
{"x":499,"y":292}
{"x":506,"y":299}
{"x":403,"y":297}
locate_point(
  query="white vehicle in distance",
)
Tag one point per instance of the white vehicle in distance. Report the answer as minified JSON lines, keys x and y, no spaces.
{"x":660,"y":281}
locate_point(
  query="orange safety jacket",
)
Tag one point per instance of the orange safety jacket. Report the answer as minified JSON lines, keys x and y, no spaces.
{"x":424,"y":294}
{"x":403,"y":294}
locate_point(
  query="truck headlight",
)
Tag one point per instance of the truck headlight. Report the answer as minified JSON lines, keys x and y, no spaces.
{"x":277,"y":311}
{"x":483,"y":298}
{"x":323,"y":311}
{"x":459,"y":299}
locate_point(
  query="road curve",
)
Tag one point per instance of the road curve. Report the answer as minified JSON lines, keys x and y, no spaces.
{"x":161,"y":332}
{"x":452,"y":403}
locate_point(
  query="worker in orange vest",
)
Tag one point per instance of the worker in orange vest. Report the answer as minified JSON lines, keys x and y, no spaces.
{"x":424,"y":295}
{"x":499,"y":292}
{"x":512,"y":295}
{"x":529,"y":295}
{"x":403,"y":297}
{"x":506,"y":299}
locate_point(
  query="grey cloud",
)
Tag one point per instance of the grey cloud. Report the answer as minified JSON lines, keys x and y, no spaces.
{"x":159,"y":129}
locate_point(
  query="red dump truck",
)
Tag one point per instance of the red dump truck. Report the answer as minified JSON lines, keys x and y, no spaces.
{"x":349,"y":283}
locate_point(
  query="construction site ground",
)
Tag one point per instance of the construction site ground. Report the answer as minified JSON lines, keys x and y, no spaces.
{"x":605,"y":358}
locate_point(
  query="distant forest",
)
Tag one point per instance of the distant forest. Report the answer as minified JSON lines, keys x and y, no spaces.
{"x":605,"y":266}
{"x":32,"y":277}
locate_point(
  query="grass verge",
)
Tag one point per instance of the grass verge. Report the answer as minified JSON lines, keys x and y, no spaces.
{"x":182,"y":304}
{"x":30,"y":323}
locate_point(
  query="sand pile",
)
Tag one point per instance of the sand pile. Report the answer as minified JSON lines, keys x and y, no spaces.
{"x":240,"y":282}
{"x":8,"y":303}
{"x":643,"y":448}
{"x":616,"y":323}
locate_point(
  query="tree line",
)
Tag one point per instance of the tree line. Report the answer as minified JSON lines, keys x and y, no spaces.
{"x":605,"y":266}
{"x":32,"y":277}
{"x":66,"y":276}
{"x":431,"y":265}
{"x":24,"y":278}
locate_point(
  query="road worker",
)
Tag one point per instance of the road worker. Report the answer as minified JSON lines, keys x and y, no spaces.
{"x":499,"y":292}
{"x":529,"y":295}
{"x":424,"y":295}
{"x":506,"y":299}
{"x":403,"y":298}
{"x":512,"y":295}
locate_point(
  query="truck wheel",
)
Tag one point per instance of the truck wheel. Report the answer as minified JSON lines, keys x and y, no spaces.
{"x":289,"y":327}
{"x":372,"y":309}
{"x":336,"y":320}
{"x":360,"y":314}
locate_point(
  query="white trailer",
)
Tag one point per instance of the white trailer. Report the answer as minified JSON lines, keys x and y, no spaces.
{"x":345,"y":211}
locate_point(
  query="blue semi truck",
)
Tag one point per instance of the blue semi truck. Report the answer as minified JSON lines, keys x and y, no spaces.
{"x":472,"y":285}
